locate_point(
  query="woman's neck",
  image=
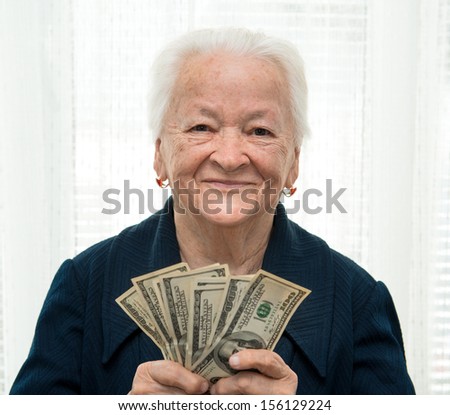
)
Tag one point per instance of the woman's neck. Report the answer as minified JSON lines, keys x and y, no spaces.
{"x":242,"y":247}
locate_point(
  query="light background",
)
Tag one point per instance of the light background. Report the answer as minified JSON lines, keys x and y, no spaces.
{"x":73,"y":84}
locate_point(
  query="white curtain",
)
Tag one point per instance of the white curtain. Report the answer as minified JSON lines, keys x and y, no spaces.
{"x":73,"y":85}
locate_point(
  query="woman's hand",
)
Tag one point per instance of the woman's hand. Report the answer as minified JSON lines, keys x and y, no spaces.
{"x":163,"y":377}
{"x":274,"y":377}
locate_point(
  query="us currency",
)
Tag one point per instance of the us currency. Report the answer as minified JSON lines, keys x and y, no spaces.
{"x":175,"y":294}
{"x":230,"y":301}
{"x":146,"y":286}
{"x":205,"y":300}
{"x":130,"y":302}
{"x":156,"y":282}
{"x":258,"y":322}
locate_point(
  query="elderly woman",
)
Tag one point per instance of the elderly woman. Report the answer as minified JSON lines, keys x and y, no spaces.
{"x":229,"y":115}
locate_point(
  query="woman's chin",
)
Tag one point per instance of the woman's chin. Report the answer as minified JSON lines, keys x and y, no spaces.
{"x":229,"y":217}
{"x":229,"y":213}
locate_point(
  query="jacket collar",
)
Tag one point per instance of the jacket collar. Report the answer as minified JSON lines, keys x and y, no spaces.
{"x":292,"y":254}
{"x":304,"y":259}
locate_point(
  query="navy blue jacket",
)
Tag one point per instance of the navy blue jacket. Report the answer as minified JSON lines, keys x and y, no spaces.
{"x":344,"y":338}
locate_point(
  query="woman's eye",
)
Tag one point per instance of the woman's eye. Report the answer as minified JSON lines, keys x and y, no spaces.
{"x":261,"y":131}
{"x":200,"y":128}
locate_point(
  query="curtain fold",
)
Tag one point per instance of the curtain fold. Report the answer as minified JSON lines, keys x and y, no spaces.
{"x":36,"y":200}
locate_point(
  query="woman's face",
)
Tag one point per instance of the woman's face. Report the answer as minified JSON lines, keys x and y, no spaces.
{"x":228,"y":145}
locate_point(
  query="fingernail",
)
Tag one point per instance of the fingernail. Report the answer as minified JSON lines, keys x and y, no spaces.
{"x":234,"y":361}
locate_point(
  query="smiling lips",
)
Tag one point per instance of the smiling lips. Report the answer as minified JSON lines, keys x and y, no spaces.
{"x":228,"y":184}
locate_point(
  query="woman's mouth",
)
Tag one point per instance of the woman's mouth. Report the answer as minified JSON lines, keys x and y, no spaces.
{"x":225,"y":184}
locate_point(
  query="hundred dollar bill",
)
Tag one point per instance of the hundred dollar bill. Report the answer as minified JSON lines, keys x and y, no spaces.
{"x":157,"y":285}
{"x":176,"y":293}
{"x":205,"y":300}
{"x":145,"y":286}
{"x":130,"y":302}
{"x":230,"y":301}
{"x":258,"y":323}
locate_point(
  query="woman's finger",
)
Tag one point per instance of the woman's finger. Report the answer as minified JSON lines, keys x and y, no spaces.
{"x":273,"y":376}
{"x":252,"y":383}
{"x":164,"y":377}
{"x":264,"y":361}
{"x":174,"y":374}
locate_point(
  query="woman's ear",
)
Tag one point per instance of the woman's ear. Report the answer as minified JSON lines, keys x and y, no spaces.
{"x":158,"y":162}
{"x":293,"y":172}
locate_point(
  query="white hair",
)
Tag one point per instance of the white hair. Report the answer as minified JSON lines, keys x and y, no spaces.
{"x":237,"y":41}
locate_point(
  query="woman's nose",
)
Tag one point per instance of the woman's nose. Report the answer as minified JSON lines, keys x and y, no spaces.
{"x":230,"y":152}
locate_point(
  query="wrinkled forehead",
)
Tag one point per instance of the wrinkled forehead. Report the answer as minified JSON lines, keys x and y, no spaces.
{"x":238,"y":84}
{"x":224,"y":67}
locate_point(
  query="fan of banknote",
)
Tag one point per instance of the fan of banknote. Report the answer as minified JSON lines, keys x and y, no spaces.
{"x":200,"y":317}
